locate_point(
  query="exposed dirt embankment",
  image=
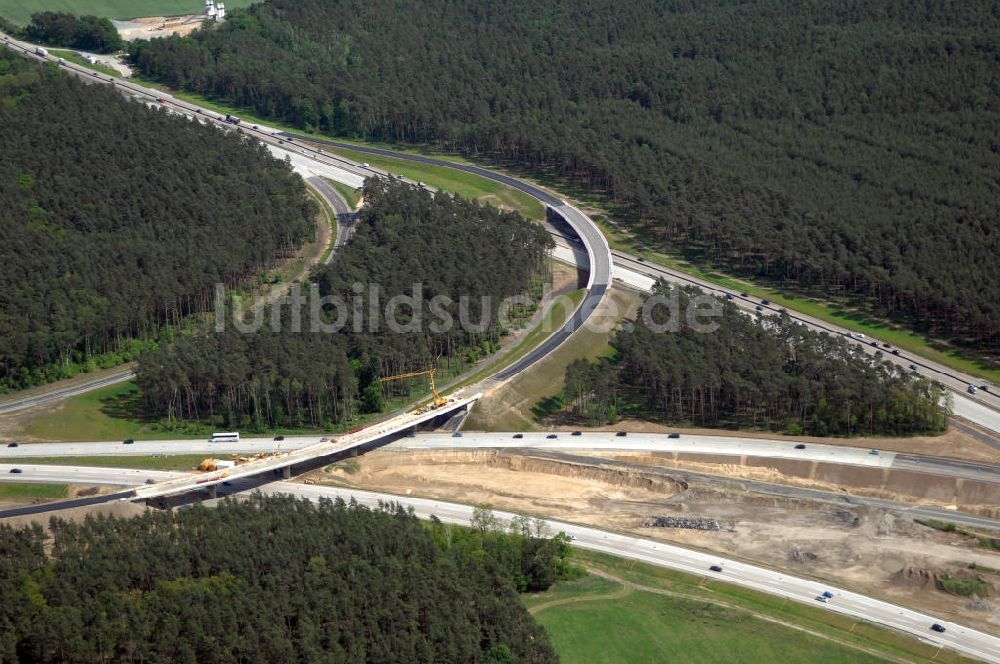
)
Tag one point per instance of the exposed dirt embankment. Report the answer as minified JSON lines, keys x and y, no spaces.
{"x":971,"y":496}
{"x":502,"y":463}
{"x":863,"y":548}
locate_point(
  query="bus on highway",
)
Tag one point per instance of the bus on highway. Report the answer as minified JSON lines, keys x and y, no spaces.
{"x":225,"y":438}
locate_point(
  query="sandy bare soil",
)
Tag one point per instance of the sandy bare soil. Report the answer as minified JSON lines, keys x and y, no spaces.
{"x":869,"y":550}
{"x":152,"y":27}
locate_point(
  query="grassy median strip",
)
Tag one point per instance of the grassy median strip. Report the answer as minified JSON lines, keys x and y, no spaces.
{"x":458,"y":182}
{"x":19,"y":491}
{"x":156,"y":462}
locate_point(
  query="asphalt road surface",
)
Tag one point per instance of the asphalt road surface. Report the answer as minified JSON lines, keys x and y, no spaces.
{"x":345,"y":216}
{"x":594,"y":441}
{"x":599,"y":254}
{"x":982,"y":409}
{"x":714,"y":445}
{"x":968,"y":641}
{"x":963,"y":639}
{"x":62,"y":393}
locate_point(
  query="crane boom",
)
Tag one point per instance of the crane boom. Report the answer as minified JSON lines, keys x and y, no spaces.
{"x":438,"y":399}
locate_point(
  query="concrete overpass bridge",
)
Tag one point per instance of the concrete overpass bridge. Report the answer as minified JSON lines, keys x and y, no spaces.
{"x":349,"y":444}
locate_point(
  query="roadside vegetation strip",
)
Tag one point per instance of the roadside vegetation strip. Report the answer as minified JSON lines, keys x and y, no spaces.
{"x":826,"y":311}
{"x":855,"y":632}
{"x":24,"y":491}
{"x":77,"y":59}
{"x":331,"y":219}
{"x":455,"y":181}
{"x":447,"y":179}
{"x":350,"y":194}
{"x":555,"y":316}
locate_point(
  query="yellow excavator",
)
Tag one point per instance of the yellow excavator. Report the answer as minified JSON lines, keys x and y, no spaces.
{"x":438,"y":399}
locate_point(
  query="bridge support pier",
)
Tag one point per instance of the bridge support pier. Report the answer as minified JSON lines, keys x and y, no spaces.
{"x":213,"y":492}
{"x":286,"y":472}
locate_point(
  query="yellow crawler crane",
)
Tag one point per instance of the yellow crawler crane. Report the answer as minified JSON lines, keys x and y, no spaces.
{"x":438,"y":399}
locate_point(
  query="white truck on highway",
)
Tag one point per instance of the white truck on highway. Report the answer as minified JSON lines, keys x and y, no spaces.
{"x":41,"y":51}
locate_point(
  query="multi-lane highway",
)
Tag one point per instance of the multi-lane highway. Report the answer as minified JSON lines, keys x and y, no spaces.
{"x":313,"y":161}
{"x":587,"y":441}
{"x":963,"y":639}
{"x":707,"y":445}
{"x":983,"y":408}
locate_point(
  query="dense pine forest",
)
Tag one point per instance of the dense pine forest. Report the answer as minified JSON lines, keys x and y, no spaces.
{"x":88,"y":33}
{"x":843,"y":149}
{"x":268,"y":580}
{"x":306,"y":375}
{"x":750,"y":373}
{"x":117,"y":220}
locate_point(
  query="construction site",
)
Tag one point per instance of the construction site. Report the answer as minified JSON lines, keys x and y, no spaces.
{"x":809,"y":518}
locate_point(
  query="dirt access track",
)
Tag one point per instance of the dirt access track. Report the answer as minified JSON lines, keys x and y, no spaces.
{"x":871,"y":550}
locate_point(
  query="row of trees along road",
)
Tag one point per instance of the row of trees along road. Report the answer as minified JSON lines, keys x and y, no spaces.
{"x":87,"y":33}
{"x":117,"y":221}
{"x":762,"y":373}
{"x":286,"y":376}
{"x":843,"y":149}
{"x":270,"y":580}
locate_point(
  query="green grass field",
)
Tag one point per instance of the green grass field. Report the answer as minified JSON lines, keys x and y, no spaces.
{"x":853,"y":638}
{"x":20,"y":11}
{"x":30,"y":491}
{"x":643,"y":627}
{"x":105,"y":414}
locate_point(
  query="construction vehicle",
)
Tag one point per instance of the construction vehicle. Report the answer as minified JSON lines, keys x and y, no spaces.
{"x":215,"y":464}
{"x":438,"y":400}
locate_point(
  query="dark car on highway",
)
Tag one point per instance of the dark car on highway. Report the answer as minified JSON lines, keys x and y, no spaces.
{"x":518,"y":435}
{"x":16,"y":471}
{"x":576,"y":433}
{"x":674,"y":435}
{"x":279,"y":438}
{"x":715,"y":568}
{"x":621,"y":434}
{"x":128,"y":441}
{"x":800,"y":446}
{"x":552,"y":435}
{"x":11,"y":444}
{"x":938,"y":627}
